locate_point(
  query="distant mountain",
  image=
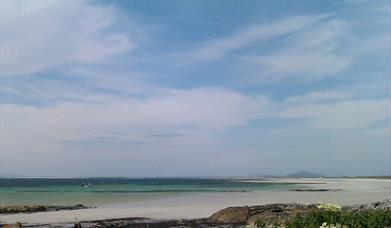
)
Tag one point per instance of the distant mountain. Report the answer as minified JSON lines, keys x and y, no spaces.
{"x":304,"y":174}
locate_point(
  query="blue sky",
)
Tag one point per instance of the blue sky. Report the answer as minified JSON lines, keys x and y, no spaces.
{"x":194,"y":88}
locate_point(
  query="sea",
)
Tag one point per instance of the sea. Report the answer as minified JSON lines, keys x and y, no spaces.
{"x":98,"y":191}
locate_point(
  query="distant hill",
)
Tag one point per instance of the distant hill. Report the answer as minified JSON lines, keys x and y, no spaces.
{"x":298,"y":174}
{"x":304,"y":174}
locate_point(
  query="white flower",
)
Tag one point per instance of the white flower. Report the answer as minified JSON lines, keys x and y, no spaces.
{"x":328,"y":207}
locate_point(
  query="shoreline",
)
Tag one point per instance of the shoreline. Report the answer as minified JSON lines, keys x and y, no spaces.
{"x":202,"y":205}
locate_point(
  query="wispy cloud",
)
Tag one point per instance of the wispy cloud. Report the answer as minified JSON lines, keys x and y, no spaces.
{"x":319,"y":96}
{"x":340,"y":115}
{"x":311,"y":54}
{"x":219,"y":47}
{"x":59,"y":32}
{"x":166,"y":135}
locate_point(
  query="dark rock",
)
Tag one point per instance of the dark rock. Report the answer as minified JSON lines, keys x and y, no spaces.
{"x":21,"y":209}
{"x":316,"y":190}
{"x":271,"y":214}
{"x":278,"y":213}
{"x":38,"y":208}
{"x":231,"y":215}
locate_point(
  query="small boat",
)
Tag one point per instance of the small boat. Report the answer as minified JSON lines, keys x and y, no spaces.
{"x":86,"y":185}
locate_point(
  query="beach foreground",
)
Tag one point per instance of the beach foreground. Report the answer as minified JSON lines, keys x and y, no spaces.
{"x":202,"y":205}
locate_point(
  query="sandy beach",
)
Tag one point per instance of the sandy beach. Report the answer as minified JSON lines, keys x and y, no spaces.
{"x":198,"y":205}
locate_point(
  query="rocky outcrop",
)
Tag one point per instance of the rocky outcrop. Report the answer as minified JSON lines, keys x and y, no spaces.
{"x":38,"y":208}
{"x":21,"y":209}
{"x":278,"y":213}
{"x":150,"y":223}
{"x":271,"y":214}
{"x":231,"y":215}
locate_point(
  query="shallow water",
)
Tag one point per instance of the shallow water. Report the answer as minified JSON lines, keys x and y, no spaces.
{"x":112,"y":190}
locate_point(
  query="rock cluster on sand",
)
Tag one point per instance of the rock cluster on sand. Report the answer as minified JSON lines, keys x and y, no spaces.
{"x":21,"y":209}
{"x":38,"y":208}
{"x":316,"y":190}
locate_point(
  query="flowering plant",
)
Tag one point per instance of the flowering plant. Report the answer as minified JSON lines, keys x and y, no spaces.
{"x":324,"y":225}
{"x":329,"y":207}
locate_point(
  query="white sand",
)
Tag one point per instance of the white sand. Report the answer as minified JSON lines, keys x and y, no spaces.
{"x":199,"y":205}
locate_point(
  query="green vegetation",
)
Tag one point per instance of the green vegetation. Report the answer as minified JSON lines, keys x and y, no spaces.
{"x":260,"y":223}
{"x":325,"y":218}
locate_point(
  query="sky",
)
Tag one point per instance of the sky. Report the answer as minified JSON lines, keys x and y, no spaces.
{"x":194,"y":88}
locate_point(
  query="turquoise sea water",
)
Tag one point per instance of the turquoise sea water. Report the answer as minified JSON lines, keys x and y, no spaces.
{"x":42,"y":191}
